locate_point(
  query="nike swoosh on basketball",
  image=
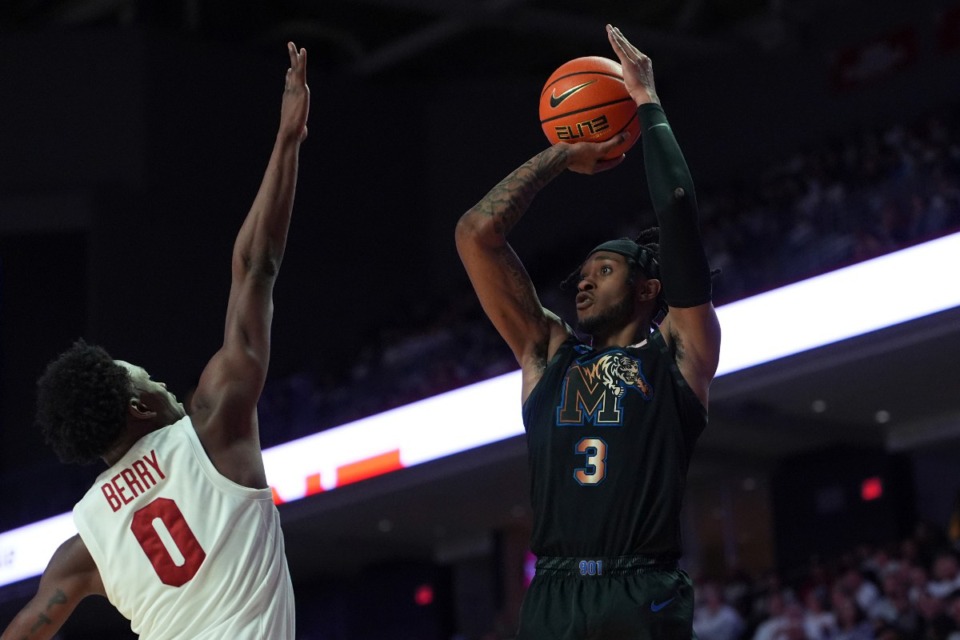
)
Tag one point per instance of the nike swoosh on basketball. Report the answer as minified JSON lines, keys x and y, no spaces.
{"x":555,"y":100}
{"x":655,"y":606}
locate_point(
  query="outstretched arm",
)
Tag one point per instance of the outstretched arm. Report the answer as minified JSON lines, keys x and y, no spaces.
{"x":691,"y":327}
{"x":70,"y":576}
{"x":506,"y":292}
{"x":225,"y":401}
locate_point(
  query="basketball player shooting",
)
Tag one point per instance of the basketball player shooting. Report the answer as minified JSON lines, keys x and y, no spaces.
{"x":181,"y":533}
{"x":611,"y":423}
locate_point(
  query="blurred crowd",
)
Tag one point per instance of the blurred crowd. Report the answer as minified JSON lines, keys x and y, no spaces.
{"x":861,"y":196}
{"x":905,"y":591}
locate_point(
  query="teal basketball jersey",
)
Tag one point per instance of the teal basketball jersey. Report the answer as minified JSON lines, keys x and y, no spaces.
{"x":610,"y":434}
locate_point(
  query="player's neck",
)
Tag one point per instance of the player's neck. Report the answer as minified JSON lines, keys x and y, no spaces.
{"x":130,"y":436}
{"x":634,"y":332}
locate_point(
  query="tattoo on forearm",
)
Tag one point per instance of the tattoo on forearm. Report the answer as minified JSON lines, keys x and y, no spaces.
{"x":58,"y":598}
{"x":507,"y":201}
{"x":42,"y":620}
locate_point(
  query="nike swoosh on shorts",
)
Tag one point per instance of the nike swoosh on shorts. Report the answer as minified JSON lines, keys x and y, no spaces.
{"x":657,"y":606}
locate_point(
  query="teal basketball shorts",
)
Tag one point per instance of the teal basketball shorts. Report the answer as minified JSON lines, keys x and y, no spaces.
{"x":614,"y":598}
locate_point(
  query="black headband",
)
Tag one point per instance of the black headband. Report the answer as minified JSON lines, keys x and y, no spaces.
{"x":641,"y":255}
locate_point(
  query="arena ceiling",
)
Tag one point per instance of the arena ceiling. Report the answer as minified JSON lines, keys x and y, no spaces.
{"x":449,"y":38}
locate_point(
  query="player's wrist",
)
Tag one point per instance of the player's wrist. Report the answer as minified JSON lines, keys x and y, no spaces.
{"x":651,"y":114}
{"x":645,"y":96}
{"x":289,"y":136}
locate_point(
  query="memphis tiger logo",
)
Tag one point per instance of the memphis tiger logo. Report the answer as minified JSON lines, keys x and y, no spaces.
{"x":593,"y":390}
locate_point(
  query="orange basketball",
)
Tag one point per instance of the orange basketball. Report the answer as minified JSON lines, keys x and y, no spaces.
{"x":585,"y":100}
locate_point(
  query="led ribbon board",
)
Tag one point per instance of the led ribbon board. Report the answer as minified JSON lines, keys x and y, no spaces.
{"x":860,"y":299}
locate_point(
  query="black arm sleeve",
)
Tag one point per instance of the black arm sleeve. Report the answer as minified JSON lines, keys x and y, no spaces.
{"x":684,"y":272}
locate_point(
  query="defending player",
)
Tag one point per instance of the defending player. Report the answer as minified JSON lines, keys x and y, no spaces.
{"x":180,"y":533}
{"x":611,"y":425}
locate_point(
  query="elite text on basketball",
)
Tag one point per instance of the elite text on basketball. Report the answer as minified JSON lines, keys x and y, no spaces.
{"x":582,"y":129}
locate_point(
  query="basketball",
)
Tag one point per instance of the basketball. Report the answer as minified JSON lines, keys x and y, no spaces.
{"x":585,"y":99}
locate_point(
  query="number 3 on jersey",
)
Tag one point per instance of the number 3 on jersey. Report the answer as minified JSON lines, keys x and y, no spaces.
{"x":166,"y":538}
{"x":595,"y":469}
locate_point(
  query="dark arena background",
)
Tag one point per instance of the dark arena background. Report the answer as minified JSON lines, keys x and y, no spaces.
{"x":821,"y":134}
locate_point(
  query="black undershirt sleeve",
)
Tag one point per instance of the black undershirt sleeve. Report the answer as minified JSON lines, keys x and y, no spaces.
{"x":684,"y":271}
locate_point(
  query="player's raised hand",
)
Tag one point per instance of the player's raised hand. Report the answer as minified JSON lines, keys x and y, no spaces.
{"x":296,"y":96}
{"x":637,"y":68}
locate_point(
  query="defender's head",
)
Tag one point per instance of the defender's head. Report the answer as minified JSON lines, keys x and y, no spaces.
{"x":86,"y":401}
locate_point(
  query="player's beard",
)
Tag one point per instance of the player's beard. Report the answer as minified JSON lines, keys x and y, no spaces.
{"x":610,"y":320}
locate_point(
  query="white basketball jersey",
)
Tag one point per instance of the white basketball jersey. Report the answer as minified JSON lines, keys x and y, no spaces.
{"x":184,"y":553}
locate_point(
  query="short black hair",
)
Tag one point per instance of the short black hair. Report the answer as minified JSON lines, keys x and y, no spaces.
{"x":649,"y":239}
{"x":82,"y":403}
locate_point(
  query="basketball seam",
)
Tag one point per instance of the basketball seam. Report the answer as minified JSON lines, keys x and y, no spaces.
{"x":591,"y":107}
{"x":628,"y":122}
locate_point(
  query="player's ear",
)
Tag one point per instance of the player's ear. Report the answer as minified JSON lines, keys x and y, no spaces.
{"x":138,"y":410}
{"x":648,"y":288}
